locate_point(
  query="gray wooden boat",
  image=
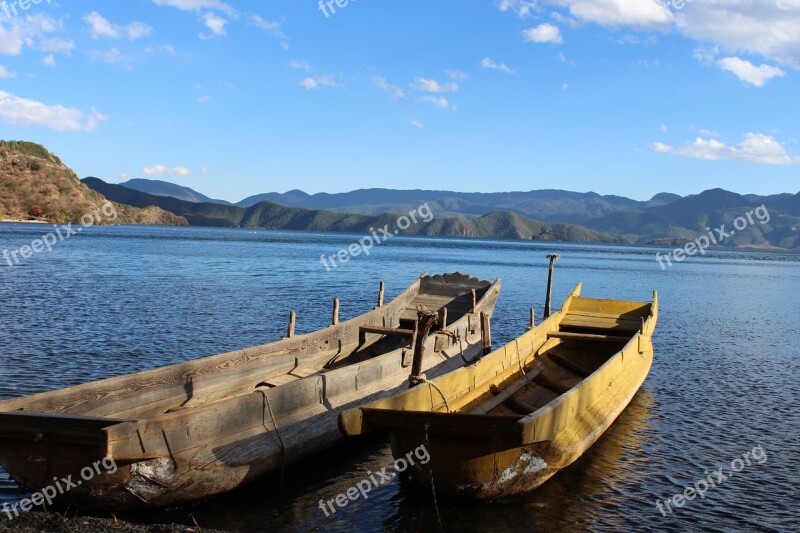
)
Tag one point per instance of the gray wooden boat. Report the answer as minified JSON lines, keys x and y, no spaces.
{"x":201,"y":428}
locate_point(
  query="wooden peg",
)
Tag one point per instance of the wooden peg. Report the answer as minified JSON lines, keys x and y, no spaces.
{"x":292,"y":322}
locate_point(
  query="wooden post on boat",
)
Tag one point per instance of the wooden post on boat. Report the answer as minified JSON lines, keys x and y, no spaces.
{"x":381,"y":293}
{"x":443,"y":321}
{"x":335,"y":321}
{"x":553,"y":258}
{"x":426,"y":320}
{"x":486,"y":333}
{"x":292,"y":322}
{"x":474,"y":301}
{"x":533,"y":319}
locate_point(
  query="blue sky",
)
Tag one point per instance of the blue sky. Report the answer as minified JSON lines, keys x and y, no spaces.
{"x":628,"y":97}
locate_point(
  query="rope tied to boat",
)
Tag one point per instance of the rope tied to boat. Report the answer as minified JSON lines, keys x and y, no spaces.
{"x":422,"y":378}
{"x":454,"y":336}
{"x":433,"y":485}
{"x":277,"y":432}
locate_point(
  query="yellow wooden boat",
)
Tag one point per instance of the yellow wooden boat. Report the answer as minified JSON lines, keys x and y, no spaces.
{"x":507,"y":423}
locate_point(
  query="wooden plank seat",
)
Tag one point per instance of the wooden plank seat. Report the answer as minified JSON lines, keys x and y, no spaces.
{"x":380,"y":330}
{"x":563,"y":335}
{"x":601,"y":321}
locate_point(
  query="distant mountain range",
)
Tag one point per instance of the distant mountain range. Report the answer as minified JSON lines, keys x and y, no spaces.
{"x":667,"y":219}
{"x":165,"y":188}
{"x":269,"y":215}
{"x":36,"y":185}
{"x":545,"y":205}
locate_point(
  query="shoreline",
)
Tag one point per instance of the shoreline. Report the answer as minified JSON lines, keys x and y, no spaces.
{"x":44,"y":522}
{"x":650,"y":245}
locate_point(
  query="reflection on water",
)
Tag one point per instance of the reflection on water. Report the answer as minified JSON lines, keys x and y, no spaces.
{"x":727,"y":350}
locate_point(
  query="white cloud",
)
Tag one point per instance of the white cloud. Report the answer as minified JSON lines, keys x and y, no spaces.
{"x":755,"y":148}
{"x":521,"y":8}
{"x":56,"y":46}
{"x":301,"y":65}
{"x":385,"y":86}
{"x":24,"y":113}
{"x":765,"y":27}
{"x":34,"y":32}
{"x":161,"y":170}
{"x":272,"y":28}
{"x":457,"y":75}
{"x":318,"y":82}
{"x":49,"y":60}
{"x":137,"y":30}
{"x":543,"y":33}
{"x":664,"y":127}
{"x":111,"y":57}
{"x":433,"y":86}
{"x":768,"y":28}
{"x":198,"y":5}
{"x":215,"y":23}
{"x":615,"y":13}
{"x":490,"y":64}
{"x":438,"y":101}
{"x":564,"y":86}
{"x":662,"y":148}
{"x":166,"y":49}
{"x":416,"y":124}
{"x":100,"y":27}
{"x":5,"y":74}
{"x":748,"y":72}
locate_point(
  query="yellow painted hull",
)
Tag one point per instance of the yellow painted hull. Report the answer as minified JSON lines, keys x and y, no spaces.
{"x":529,"y":409}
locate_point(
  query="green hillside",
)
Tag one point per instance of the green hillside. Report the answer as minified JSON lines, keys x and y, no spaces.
{"x":268,"y":215}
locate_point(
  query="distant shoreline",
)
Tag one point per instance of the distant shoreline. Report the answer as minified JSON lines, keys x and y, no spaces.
{"x":9,"y":221}
{"x":742,"y":248}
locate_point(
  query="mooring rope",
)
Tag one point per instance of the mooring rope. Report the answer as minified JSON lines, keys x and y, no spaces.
{"x":424,"y":379}
{"x":457,"y":337}
{"x":433,"y":485}
{"x":278,"y":433}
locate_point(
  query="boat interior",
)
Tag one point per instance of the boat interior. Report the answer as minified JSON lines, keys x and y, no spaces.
{"x":589,"y":334}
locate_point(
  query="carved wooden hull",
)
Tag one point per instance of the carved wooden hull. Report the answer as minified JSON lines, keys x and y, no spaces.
{"x":201,"y":428}
{"x":529,"y":409}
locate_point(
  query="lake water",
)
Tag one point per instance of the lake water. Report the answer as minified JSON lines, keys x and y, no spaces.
{"x":724,"y":381}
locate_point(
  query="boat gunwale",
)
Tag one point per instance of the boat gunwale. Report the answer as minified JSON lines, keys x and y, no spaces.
{"x":186,"y":368}
{"x":524,"y":422}
{"x":175,"y":415}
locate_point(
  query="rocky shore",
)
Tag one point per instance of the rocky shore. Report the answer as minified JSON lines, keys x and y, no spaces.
{"x":40,"y":522}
